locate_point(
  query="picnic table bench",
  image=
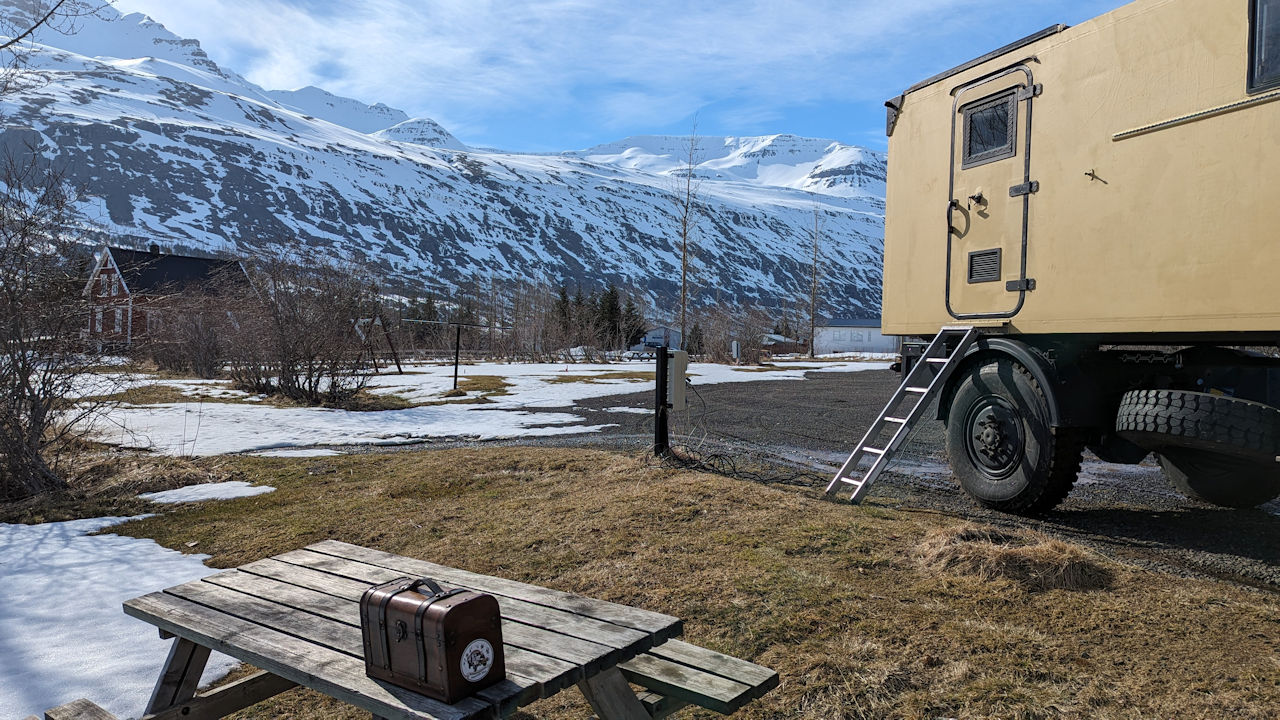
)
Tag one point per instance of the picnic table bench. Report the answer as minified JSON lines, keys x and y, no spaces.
{"x":296,"y":616}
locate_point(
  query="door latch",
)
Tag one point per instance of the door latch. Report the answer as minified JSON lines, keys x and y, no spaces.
{"x":1025,"y":188}
{"x":1027,"y":93}
{"x":1026,"y":285}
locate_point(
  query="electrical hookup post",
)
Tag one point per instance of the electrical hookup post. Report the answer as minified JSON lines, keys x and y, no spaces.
{"x":668,"y":395}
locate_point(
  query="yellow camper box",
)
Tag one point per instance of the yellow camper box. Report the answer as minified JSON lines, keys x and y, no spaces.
{"x":1082,"y":250}
{"x":1119,"y":176}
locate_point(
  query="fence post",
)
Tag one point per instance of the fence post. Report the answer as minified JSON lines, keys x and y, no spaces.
{"x":661,"y":431}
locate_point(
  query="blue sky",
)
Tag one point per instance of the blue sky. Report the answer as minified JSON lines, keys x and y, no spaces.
{"x":541,"y":75}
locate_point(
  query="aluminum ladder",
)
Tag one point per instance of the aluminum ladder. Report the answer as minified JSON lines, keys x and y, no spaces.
{"x":923,"y":383}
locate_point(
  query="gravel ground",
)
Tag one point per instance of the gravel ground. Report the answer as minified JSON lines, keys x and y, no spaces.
{"x":1128,"y":512}
{"x":799,"y":432}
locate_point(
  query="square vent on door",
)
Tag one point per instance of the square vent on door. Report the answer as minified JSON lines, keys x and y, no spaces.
{"x":984,"y":266}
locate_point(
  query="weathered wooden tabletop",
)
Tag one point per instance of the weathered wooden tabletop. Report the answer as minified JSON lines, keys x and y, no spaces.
{"x":297,"y":616}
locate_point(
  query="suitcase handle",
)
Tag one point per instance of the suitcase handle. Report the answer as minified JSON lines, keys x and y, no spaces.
{"x":432,"y":585}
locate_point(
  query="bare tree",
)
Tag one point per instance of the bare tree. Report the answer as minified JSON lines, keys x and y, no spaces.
{"x":18,"y":26}
{"x":44,"y":364}
{"x":813,"y":287}
{"x":686,"y":188}
{"x":186,"y":327}
{"x":294,"y":330}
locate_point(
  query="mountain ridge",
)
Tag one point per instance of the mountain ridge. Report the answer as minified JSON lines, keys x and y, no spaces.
{"x":171,"y":147}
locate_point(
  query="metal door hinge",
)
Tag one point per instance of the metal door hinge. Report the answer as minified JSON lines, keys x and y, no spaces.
{"x":1027,"y":93}
{"x":1020,"y":285}
{"x":1025,"y":188}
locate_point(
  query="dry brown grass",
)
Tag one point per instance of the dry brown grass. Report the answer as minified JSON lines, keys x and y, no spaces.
{"x":629,"y":375}
{"x":105,"y":481}
{"x":1032,"y":560}
{"x":484,"y":384}
{"x":829,"y":595}
{"x":365,"y":401}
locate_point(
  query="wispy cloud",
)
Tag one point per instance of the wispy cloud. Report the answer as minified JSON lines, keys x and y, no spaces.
{"x":611,"y":63}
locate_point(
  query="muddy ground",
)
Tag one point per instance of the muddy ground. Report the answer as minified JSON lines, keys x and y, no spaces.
{"x":800,"y":431}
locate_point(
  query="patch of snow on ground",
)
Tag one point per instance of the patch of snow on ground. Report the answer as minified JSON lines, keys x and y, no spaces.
{"x":63,"y":634}
{"x":637,"y":411}
{"x":208,"y":491}
{"x":216,"y":428}
{"x":297,"y":453}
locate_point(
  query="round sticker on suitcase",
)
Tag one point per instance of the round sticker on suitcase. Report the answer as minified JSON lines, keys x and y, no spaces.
{"x":477,"y":660}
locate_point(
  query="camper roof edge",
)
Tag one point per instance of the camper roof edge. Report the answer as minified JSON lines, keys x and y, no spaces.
{"x":1051,"y":30}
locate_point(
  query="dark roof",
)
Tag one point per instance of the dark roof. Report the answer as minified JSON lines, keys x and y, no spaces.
{"x":147,"y":272}
{"x":852,"y":322}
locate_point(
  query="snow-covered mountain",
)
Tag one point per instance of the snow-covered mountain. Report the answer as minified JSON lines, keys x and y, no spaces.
{"x":820,"y":166}
{"x":171,"y":148}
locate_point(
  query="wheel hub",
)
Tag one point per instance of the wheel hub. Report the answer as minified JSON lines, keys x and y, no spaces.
{"x":995,"y":430}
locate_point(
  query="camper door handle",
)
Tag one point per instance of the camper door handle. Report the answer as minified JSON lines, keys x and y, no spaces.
{"x":951,"y":207}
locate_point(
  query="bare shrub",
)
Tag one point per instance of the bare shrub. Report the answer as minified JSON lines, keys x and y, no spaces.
{"x":1033,"y":561}
{"x":43,"y":358}
{"x":293,"y":331}
{"x":187,"y":329}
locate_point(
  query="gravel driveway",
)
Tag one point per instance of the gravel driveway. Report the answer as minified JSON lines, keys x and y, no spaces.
{"x":1128,"y":512}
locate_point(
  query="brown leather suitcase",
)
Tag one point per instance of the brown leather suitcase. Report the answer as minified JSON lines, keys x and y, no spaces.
{"x":445,"y":644}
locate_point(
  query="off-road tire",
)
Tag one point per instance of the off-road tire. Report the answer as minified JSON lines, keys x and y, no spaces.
{"x":1158,"y":419}
{"x":1028,"y":468}
{"x":1220,"y":479}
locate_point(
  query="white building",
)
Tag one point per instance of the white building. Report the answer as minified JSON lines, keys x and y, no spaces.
{"x":841,"y":335}
{"x":659,"y":336}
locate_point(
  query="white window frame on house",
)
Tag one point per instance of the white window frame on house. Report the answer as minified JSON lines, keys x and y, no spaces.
{"x":97,"y":320}
{"x":119,"y":320}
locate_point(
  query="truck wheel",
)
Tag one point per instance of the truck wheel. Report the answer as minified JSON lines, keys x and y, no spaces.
{"x":1000,"y":444}
{"x":1160,"y":419}
{"x":1220,"y":479}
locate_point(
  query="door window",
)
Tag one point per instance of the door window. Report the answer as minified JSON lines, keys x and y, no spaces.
{"x":990,"y":129}
{"x":1264,"y":45}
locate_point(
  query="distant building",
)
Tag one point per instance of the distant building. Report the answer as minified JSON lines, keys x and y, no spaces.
{"x":658,"y":337}
{"x":841,"y":335}
{"x":775,"y":344}
{"x":125,"y":286}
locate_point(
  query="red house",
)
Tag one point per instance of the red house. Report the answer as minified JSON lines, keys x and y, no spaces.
{"x":125,"y":285}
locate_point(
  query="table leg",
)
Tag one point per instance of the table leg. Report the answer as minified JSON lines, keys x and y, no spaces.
{"x":180,"y":676}
{"x":612,"y":698}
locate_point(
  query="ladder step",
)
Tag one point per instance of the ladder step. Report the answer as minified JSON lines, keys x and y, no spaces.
{"x":941,"y":368}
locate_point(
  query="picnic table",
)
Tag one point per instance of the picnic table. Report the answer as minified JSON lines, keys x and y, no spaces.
{"x":296,"y":617}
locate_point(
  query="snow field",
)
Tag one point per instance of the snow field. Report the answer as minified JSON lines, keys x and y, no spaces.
{"x":211,"y":428}
{"x":63,"y":634}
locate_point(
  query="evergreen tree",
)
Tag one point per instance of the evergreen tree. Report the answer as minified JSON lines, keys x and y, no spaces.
{"x":564,"y":313}
{"x":423,"y":309}
{"x":609,"y":318}
{"x":633,"y":323}
{"x":581,"y":317}
{"x":694,"y":346}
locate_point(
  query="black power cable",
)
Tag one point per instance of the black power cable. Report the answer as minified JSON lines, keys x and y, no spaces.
{"x":741,"y":459}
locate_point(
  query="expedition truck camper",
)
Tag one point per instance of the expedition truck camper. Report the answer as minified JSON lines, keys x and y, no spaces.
{"x":1082,"y":250}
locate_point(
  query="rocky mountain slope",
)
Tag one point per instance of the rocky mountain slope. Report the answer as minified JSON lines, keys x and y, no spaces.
{"x":171,"y":148}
